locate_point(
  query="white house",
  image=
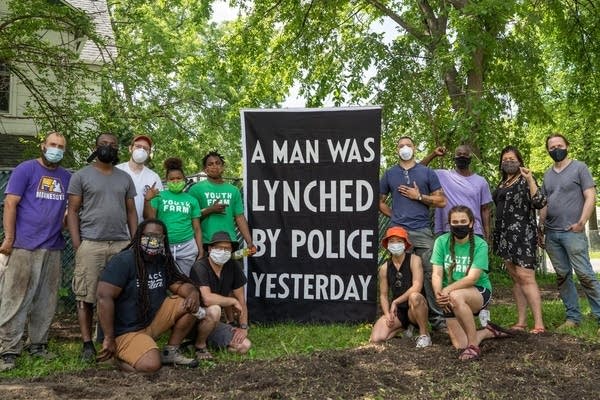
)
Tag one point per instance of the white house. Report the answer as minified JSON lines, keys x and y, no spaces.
{"x":14,"y":125}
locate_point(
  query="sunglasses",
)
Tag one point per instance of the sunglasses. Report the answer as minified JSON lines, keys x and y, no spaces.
{"x":405,"y":171}
{"x":398,"y":279}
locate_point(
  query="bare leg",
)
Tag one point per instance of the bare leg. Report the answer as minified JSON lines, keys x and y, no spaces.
{"x":207,"y":325}
{"x":531,"y":292}
{"x":181,"y":328}
{"x":520,"y":299}
{"x":382,"y":332}
{"x":85,"y":317}
{"x":418,"y":312}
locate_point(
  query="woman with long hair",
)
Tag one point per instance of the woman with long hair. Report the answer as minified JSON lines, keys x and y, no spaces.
{"x":461,"y":283}
{"x":515,"y":235}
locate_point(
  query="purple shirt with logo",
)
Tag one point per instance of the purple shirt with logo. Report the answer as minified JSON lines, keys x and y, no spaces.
{"x":41,"y":210}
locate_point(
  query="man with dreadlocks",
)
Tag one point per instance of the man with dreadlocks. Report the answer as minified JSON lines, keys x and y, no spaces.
{"x":134,"y":308}
{"x":461,"y":283}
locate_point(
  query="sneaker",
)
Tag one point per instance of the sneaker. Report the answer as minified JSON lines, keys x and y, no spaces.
{"x":568,"y":324}
{"x":409,"y":331}
{"x":41,"y":350}
{"x":7,"y":361}
{"x":423,"y":341}
{"x":172,"y":355}
{"x":88,"y":352}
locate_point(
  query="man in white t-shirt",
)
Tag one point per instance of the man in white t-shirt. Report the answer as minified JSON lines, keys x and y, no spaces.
{"x":143,"y":177}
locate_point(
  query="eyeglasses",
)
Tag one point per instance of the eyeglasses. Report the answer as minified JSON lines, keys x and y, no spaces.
{"x":405,"y":171}
{"x":223,"y":248}
{"x":398,"y":279}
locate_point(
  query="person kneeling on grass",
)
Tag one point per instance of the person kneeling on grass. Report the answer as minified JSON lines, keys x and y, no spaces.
{"x":221,"y":282}
{"x":402,"y":276}
{"x":461,"y":283}
{"x":134,"y":308}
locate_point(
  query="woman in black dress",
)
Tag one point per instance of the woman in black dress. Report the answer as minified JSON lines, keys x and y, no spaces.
{"x":515,"y":234}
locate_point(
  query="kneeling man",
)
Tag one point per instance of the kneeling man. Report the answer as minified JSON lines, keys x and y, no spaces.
{"x":134,"y":308}
{"x":221,"y":282}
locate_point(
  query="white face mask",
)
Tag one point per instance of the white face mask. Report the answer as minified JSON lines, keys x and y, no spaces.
{"x":139,"y":156}
{"x":219,"y":256}
{"x":405,"y":153}
{"x":397,"y":248}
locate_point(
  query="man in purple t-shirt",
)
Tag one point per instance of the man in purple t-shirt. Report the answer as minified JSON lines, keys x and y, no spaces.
{"x":34,"y":211}
{"x":462,"y":187}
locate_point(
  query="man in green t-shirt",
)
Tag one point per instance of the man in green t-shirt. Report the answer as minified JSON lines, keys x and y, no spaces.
{"x":220,"y":202}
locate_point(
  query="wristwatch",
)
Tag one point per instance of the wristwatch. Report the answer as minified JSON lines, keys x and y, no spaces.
{"x":243,"y":326}
{"x":420,"y":198}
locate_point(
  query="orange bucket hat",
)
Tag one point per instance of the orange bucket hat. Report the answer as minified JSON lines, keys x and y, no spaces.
{"x":396,"y":231}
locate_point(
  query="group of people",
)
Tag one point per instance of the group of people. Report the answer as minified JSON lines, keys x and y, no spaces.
{"x":440,"y":278}
{"x":151,"y":259}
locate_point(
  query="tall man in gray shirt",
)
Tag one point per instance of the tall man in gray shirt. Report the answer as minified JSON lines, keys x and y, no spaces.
{"x":571,"y":194}
{"x":101,"y":216}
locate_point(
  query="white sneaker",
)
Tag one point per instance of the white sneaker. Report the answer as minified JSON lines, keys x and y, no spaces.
{"x":423,"y":341}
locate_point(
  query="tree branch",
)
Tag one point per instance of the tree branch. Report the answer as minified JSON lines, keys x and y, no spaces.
{"x":420,"y":36}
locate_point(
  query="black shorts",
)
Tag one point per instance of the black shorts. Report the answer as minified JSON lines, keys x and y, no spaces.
{"x":402,"y":314}
{"x":485,"y":293}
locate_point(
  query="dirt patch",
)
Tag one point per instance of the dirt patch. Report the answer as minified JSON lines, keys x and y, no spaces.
{"x":547,"y":366}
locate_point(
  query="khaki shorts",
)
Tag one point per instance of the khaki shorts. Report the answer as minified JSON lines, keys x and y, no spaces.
{"x":133,"y":345}
{"x":90,"y":260}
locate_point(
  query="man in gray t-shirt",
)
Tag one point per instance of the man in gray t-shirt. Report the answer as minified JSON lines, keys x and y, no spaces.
{"x":571,"y":193}
{"x":101,"y":216}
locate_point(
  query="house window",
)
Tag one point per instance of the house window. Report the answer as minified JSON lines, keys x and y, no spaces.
{"x":4,"y":88}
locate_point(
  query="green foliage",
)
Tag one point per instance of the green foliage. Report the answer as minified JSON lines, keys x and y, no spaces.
{"x":183,"y":79}
{"x":489,"y":73}
{"x":40,"y":43}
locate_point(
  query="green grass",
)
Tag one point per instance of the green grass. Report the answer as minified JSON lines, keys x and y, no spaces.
{"x":594,"y":254}
{"x":286,"y":339}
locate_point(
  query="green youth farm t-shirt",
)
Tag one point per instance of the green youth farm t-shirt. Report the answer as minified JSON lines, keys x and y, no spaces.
{"x":176,"y":210}
{"x":441,"y":256}
{"x":207,"y":193}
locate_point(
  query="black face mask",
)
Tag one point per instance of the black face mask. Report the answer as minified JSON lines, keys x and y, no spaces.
{"x":462,"y":162}
{"x":460,"y":231}
{"x":558,"y":154}
{"x":107,"y":154}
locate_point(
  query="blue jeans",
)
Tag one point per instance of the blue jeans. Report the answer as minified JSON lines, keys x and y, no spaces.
{"x":568,"y":251}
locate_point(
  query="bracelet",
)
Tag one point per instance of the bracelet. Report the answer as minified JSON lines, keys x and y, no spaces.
{"x":243,"y":326}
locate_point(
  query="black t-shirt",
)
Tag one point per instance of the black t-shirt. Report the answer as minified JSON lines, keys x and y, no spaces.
{"x":232,"y":276}
{"x":121,"y":271}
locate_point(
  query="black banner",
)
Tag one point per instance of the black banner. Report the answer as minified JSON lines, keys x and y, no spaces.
{"x":311,"y":192}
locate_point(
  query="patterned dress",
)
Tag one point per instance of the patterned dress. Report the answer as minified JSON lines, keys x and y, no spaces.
{"x":515,"y":233}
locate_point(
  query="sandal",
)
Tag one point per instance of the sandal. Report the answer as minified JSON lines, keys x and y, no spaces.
{"x":518,"y":327}
{"x":498,"y":331}
{"x":202,"y":354}
{"x":537,"y":331}
{"x":471,"y":353}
